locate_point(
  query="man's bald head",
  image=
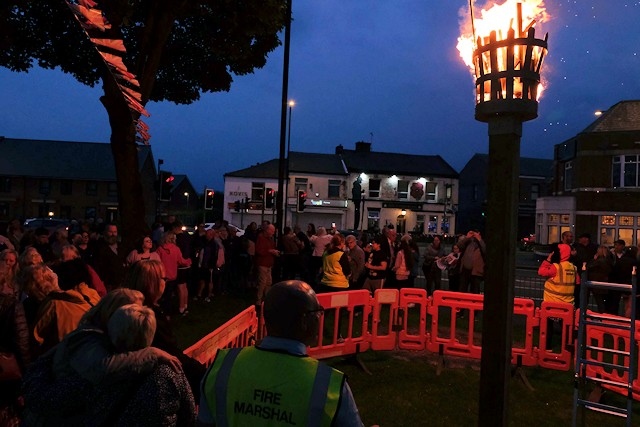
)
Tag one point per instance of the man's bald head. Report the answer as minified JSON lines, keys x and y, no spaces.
{"x":292,"y":310}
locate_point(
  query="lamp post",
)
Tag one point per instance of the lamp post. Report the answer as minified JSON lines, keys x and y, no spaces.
{"x":292,"y":103}
{"x":507,"y":72}
{"x":283,"y":118}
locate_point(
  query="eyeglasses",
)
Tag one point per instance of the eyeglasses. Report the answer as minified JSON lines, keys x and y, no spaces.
{"x":319,"y":311}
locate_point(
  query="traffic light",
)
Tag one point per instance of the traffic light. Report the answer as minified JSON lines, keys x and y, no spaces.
{"x":236,"y":206}
{"x":270,"y":198}
{"x":302,"y":198}
{"x":208,"y":199}
{"x":166,"y":185}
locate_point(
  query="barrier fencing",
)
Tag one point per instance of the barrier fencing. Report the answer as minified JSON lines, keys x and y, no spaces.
{"x":446,"y":323}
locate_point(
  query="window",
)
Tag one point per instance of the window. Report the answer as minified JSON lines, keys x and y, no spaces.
{"x":624,"y":171}
{"x":66,"y":187}
{"x":300,"y":184}
{"x":403,"y":189}
{"x":535,"y":191}
{"x":65,"y":212}
{"x":257,"y":191}
{"x":92,"y":188}
{"x":626,"y":220}
{"x":374,"y":188}
{"x":432,"y":227}
{"x":45,"y":186}
{"x":432,"y":188}
{"x":568,"y":176}
{"x":112,"y":189}
{"x":90,"y":212}
{"x":419,"y":228}
{"x":334,"y":188}
{"x":5,"y":185}
{"x":4,"y":210}
{"x":373,"y":217}
{"x":619,"y":227}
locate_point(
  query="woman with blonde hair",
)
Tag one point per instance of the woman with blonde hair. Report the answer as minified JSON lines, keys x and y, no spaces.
{"x":148,"y":277}
{"x":60,"y":389}
{"x":59,"y":312}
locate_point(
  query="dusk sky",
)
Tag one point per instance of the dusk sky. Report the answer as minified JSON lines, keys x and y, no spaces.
{"x":386,"y":72}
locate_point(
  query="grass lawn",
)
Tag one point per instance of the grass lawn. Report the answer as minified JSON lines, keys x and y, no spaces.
{"x":406,"y":388}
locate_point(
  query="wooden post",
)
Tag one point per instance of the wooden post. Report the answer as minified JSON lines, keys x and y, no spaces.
{"x":502,"y":219}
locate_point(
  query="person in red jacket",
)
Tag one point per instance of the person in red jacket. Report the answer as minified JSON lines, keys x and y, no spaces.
{"x":266,"y":254}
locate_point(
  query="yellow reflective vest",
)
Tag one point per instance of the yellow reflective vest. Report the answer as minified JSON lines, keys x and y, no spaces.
{"x":560,"y":287}
{"x":254,"y":387}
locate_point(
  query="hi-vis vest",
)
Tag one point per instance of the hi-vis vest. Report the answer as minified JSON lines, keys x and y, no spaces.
{"x":560,"y":288}
{"x":253,"y":387}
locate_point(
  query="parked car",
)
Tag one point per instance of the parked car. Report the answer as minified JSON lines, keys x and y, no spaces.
{"x":210,"y":225}
{"x":51,"y":224}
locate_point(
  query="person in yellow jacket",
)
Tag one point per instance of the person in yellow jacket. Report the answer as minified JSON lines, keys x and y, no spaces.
{"x":335,"y":266}
{"x":276,"y":383}
{"x":59,"y":310}
{"x":560,"y":284}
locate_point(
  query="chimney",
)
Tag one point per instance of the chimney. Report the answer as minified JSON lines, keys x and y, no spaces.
{"x":339,"y":149}
{"x":363,"y":147}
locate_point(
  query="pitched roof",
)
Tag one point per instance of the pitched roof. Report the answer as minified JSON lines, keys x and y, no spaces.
{"x":529,"y":166}
{"x":623,"y":116}
{"x":312,"y":163}
{"x":60,"y":159}
{"x":397,"y":163}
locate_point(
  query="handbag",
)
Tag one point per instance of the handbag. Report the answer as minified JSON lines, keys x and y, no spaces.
{"x":9,"y":368}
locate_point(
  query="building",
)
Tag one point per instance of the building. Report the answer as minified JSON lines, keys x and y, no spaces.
{"x":596,"y":188}
{"x":183,"y":201}
{"x":353,"y":189}
{"x":534,"y":182}
{"x":249,"y":193}
{"x":73,"y":180}
{"x":414,"y":193}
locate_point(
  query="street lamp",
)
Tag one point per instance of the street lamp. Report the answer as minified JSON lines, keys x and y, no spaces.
{"x":186,"y":194}
{"x":291,"y":104}
{"x":507,"y":77}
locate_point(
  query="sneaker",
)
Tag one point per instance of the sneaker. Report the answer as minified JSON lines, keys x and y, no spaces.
{"x":184,"y":312}
{"x":207,"y":299}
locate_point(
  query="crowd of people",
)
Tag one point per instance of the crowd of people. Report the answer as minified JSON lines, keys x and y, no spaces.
{"x":565,"y":264}
{"x":87,"y":320}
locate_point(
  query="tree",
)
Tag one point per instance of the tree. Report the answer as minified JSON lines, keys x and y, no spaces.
{"x":177,"y":49}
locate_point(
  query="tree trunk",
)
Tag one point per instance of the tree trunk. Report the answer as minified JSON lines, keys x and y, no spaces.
{"x":125,"y":156}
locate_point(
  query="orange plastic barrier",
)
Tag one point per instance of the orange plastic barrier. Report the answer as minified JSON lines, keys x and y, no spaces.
{"x":615,"y":339}
{"x":528,"y":355}
{"x":413,"y":299}
{"x":547,"y":358}
{"x":241,"y":331}
{"x":457,"y":342}
{"x":348,"y":307}
{"x":379,"y":340}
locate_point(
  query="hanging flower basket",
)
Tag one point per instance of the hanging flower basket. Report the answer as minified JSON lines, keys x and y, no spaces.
{"x":417,"y":190}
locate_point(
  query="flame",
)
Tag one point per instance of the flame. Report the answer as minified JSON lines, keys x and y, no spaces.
{"x":499,"y":18}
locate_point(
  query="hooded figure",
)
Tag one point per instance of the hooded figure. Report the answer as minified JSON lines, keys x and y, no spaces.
{"x":561,"y":277}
